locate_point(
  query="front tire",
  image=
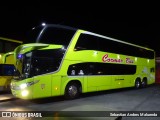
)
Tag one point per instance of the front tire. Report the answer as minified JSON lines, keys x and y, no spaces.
{"x":72,"y":91}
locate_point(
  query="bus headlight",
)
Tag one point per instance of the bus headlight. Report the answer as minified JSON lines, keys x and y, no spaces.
{"x":23,"y":86}
{"x":24,"y":93}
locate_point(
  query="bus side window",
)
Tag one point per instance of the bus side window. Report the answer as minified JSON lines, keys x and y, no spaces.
{"x":91,"y":69}
{"x":86,"y":42}
{"x":152,"y":69}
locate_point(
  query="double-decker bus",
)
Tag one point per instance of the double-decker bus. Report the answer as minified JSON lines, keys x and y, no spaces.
{"x":7,"y":61}
{"x":69,"y":61}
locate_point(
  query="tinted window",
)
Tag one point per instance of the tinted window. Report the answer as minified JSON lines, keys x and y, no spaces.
{"x":101,"y":69}
{"x":7,"y":70}
{"x":54,"y":35}
{"x":90,"y":42}
{"x":87,"y":42}
{"x":45,"y":61}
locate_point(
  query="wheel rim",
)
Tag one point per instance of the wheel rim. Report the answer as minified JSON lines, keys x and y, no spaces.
{"x":137,"y":84}
{"x":72,"y":91}
{"x":144,"y":83}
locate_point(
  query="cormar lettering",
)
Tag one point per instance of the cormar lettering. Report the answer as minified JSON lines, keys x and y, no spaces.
{"x":112,"y":60}
{"x":128,"y":60}
{"x":106,"y":58}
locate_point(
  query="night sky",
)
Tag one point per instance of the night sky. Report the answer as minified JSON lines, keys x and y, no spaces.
{"x":16,"y":21}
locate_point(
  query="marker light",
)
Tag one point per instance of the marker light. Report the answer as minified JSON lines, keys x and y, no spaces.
{"x":136,"y":59}
{"x":20,"y":56}
{"x":95,"y":53}
{"x":24,"y":93}
{"x":43,"y":24}
{"x":56,"y":88}
{"x":118,"y":56}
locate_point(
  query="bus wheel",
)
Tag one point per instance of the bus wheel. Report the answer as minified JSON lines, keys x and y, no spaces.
{"x":144,"y":83}
{"x":137,"y":84}
{"x":72,"y":91}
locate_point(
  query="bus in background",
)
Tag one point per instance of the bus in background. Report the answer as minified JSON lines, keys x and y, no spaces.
{"x":7,"y":45}
{"x":6,"y":71}
{"x":7,"y":61}
{"x":69,"y":61}
{"x":8,"y":58}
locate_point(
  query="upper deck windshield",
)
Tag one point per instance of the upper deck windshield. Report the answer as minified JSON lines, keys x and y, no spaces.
{"x":51,"y":34}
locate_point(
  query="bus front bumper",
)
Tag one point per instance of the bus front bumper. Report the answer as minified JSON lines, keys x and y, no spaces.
{"x":23,"y":94}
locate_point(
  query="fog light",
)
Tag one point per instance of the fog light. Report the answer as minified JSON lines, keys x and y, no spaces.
{"x":24,"y":93}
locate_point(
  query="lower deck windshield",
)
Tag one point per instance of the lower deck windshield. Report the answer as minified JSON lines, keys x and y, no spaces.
{"x":39,"y":62}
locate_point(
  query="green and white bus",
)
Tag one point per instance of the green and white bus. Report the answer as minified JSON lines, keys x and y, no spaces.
{"x":69,"y":61}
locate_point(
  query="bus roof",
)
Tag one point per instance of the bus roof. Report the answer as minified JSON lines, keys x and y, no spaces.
{"x":99,"y":35}
{"x":61,"y":26}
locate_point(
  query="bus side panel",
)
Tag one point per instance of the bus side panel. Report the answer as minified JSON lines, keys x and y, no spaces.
{"x":56,"y":85}
{"x":146,"y":72}
{"x":97,"y":83}
{"x":118,"y":81}
{"x":42,"y":88}
{"x":129,"y":80}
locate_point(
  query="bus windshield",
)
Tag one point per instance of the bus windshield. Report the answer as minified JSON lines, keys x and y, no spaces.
{"x":37,"y":63}
{"x":51,"y":34}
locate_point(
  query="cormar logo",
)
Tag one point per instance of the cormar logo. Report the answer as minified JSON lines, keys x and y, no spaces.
{"x":112,"y":60}
{"x":106,"y":58}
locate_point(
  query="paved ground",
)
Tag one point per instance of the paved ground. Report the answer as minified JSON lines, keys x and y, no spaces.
{"x":90,"y":105}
